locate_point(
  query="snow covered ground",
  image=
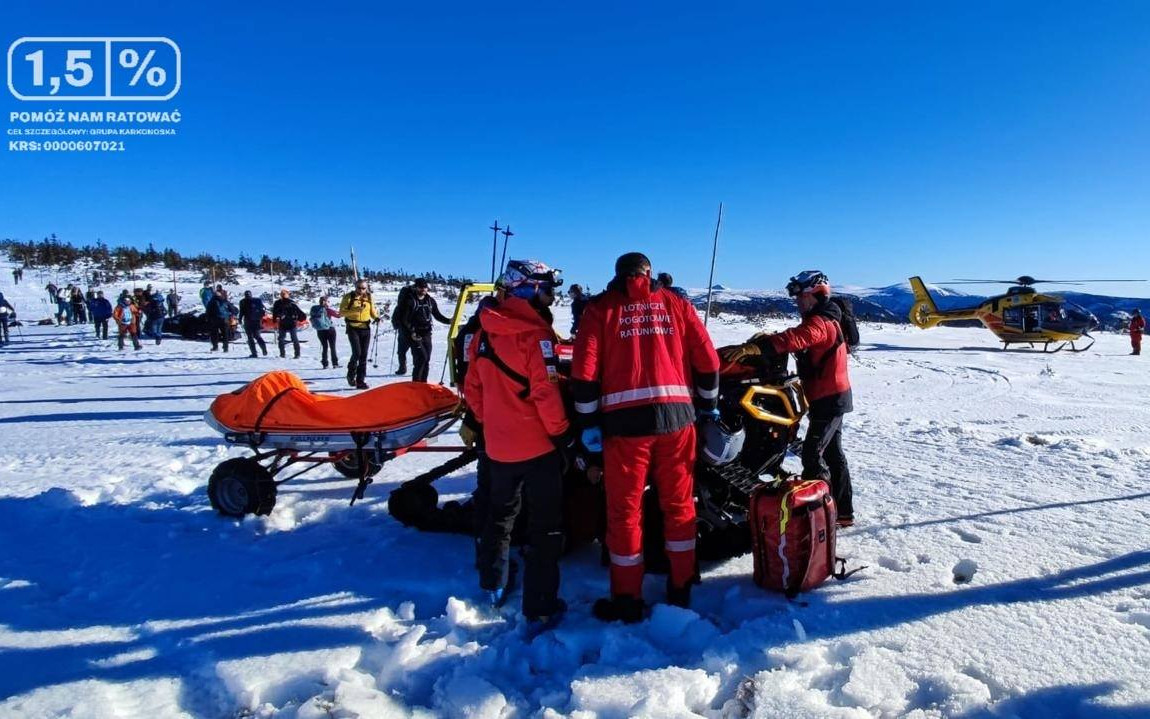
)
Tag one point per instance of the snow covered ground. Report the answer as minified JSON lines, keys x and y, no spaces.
{"x":1003,"y":515}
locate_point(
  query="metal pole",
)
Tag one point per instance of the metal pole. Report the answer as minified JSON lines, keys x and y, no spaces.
{"x":494,"y":244}
{"x":711,"y":277}
{"x":507,"y":234}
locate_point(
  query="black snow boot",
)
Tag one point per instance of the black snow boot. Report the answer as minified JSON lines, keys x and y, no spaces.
{"x":679,"y":596}
{"x":628,"y":610}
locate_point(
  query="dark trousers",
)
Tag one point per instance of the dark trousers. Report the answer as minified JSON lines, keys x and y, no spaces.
{"x":540,"y":481}
{"x":4,"y":327}
{"x":283,"y":333}
{"x":823,"y":458}
{"x":252,"y":330}
{"x":421,"y":357}
{"x":220,"y":332}
{"x":327,"y":342}
{"x":403,"y":344}
{"x":360,"y":339}
{"x":102,"y":329}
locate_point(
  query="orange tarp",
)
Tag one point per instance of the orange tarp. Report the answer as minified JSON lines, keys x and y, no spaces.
{"x":299,"y":410}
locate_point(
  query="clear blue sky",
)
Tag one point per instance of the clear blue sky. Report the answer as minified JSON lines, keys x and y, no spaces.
{"x":873,"y":140}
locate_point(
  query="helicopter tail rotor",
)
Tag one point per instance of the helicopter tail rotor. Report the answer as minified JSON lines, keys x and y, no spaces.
{"x":924,"y":312}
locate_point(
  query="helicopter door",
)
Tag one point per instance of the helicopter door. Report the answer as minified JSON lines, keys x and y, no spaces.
{"x":1012,"y":318}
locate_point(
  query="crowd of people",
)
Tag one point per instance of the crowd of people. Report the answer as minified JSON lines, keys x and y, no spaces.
{"x":140,"y":314}
{"x":644,"y":381}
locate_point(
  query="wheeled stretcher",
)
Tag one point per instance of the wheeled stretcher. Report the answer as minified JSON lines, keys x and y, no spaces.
{"x":286,"y":424}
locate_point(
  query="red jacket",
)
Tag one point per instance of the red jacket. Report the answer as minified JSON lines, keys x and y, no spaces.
{"x":821,"y":356}
{"x":1137,"y":324}
{"x":643,"y":361}
{"x":518,"y":421}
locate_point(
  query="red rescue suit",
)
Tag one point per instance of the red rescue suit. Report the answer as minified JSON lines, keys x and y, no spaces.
{"x":643,"y":363}
{"x":1137,"y":327}
{"x":519,"y":418}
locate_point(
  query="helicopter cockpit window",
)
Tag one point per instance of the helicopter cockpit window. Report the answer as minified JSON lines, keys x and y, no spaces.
{"x":1052,"y":314}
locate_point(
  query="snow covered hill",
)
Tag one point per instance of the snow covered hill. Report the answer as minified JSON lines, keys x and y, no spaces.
{"x":1003,"y":521}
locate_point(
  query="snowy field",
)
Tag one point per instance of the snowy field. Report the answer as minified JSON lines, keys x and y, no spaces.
{"x":1003,"y":509}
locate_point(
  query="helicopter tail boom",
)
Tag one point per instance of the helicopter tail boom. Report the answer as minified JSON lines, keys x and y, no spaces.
{"x":924,"y":313}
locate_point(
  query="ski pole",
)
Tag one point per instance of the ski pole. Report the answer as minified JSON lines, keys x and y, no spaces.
{"x":375,"y":347}
{"x":394,"y":342}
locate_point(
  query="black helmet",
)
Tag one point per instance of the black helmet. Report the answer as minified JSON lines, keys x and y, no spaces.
{"x":718,"y":443}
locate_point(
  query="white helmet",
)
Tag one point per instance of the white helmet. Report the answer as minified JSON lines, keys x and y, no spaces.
{"x":718,"y":444}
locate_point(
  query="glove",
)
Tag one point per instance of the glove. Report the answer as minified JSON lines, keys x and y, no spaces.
{"x":468,"y":435}
{"x":376,"y":320}
{"x":592,"y":439}
{"x":735,"y":353}
{"x":415,"y":337}
{"x":565,"y":444}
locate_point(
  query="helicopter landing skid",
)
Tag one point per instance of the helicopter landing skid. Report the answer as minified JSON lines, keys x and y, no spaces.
{"x":1069,"y":346}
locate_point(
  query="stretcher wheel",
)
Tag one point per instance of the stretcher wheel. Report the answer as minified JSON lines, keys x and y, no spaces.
{"x":241,"y":486}
{"x":348,"y":465}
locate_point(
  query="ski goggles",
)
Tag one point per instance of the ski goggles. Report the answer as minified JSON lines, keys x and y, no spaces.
{"x":805,"y":282}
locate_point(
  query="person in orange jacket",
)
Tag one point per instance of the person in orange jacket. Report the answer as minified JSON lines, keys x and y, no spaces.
{"x":127,"y":316}
{"x":512,"y":388}
{"x":644,"y":371}
{"x":820,"y":351}
{"x":1137,"y":327}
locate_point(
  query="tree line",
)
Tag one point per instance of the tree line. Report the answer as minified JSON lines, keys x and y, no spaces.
{"x":123,"y":260}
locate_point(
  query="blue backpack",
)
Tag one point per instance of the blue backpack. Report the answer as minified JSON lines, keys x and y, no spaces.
{"x":126,"y":314}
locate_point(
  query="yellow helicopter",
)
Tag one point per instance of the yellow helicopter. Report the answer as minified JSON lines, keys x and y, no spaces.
{"x":1020,"y":316}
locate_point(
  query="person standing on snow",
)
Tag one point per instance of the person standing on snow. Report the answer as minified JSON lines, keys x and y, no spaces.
{"x":220,"y":313}
{"x":321,"y":319}
{"x":154,"y":312}
{"x":101,"y":313}
{"x":287,"y":314}
{"x":79,"y":307}
{"x":417,"y":314}
{"x":579,"y":300}
{"x":358,"y":312}
{"x":64,"y":305}
{"x":251,"y":316}
{"x":644,"y":371}
{"x":1137,"y":327}
{"x":512,"y":390}
{"x":821,"y":358}
{"x":7,"y":314}
{"x":173,"y":303}
{"x":402,"y":340}
{"x":127,"y":316}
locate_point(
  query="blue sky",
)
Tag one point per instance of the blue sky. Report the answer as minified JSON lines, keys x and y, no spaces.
{"x":872,"y":140}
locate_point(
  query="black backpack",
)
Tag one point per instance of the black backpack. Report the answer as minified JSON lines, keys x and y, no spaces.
{"x":401,"y":308}
{"x":848,"y":323}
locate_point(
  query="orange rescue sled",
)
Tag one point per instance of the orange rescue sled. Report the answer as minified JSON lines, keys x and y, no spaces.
{"x":285,"y":424}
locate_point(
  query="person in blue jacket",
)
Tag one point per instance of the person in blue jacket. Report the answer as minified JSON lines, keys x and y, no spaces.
{"x":321,"y":320}
{"x":101,"y":310}
{"x":220,"y":313}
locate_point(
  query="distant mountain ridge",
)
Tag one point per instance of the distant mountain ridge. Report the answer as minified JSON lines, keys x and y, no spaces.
{"x":893,"y":302}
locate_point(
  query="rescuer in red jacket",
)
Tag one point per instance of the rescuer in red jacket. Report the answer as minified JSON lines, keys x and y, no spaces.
{"x":512,"y":389}
{"x":1137,"y":327}
{"x":643,"y":367}
{"x":821,"y":355}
